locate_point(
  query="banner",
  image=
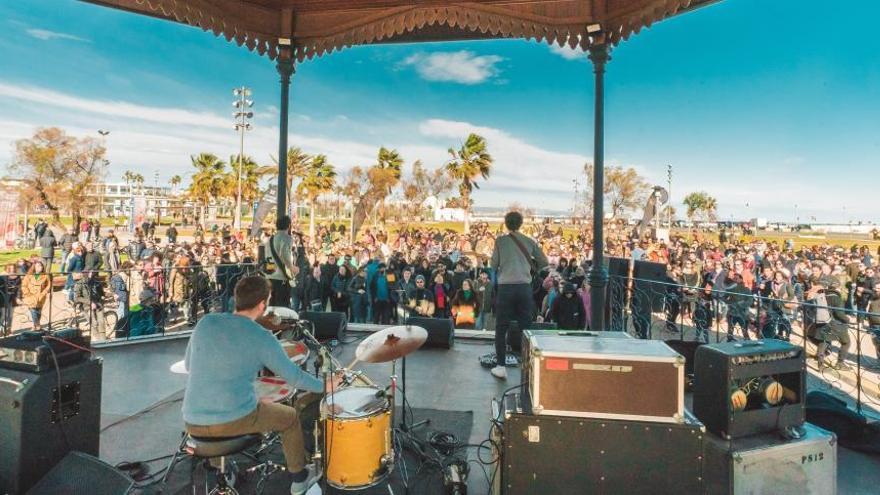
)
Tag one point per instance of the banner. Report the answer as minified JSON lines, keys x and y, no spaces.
{"x":266,"y":204}
{"x":9,"y":217}
{"x":139,"y":214}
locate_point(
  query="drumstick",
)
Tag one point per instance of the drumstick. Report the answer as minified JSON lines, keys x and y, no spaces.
{"x":351,"y":365}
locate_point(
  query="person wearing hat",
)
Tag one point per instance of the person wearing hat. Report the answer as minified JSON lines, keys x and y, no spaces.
{"x":357,"y":293}
{"x":837,"y":327}
{"x":422,"y":300}
{"x":568,"y":310}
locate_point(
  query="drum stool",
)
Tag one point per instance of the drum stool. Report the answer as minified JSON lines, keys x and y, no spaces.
{"x":207,"y":448}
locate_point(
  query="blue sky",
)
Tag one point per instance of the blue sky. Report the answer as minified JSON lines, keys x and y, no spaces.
{"x":770,"y":104}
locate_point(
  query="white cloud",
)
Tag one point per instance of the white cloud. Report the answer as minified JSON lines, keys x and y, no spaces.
{"x":46,"y":35}
{"x":519,"y":165}
{"x":464,"y":67}
{"x":112,"y":108}
{"x":568,"y":53}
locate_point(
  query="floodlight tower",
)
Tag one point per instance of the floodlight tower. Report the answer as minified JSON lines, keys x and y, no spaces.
{"x":242,"y":114}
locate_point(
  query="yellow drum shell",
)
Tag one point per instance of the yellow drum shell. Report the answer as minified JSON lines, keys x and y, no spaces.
{"x":357,"y":449}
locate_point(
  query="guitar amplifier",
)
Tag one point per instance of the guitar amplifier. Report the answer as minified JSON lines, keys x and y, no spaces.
{"x":751,"y":387}
{"x":544,"y":455}
{"x":613,"y":378}
{"x":33,"y":351}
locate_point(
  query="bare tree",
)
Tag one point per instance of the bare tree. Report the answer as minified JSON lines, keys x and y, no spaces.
{"x":60,"y":169}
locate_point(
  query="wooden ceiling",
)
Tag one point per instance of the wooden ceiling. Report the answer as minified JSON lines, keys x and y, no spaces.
{"x":316,"y":27}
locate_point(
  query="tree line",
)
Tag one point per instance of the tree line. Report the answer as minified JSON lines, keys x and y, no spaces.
{"x":58,"y":170}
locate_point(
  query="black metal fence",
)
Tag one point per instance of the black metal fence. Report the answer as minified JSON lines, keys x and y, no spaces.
{"x":121,"y":304}
{"x":665,"y":310}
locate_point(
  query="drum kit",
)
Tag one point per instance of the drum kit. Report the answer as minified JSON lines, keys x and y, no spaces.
{"x":354,"y":435}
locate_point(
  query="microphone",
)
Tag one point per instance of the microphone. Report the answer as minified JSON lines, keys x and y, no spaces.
{"x":383,"y":393}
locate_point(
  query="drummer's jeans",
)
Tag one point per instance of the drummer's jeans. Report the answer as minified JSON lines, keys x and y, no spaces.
{"x":267,"y":417}
{"x":514,"y":302}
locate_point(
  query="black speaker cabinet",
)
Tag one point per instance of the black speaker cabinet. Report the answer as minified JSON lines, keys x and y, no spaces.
{"x":544,"y":455}
{"x":515,"y":334}
{"x":441,"y":332}
{"x":328,"y":324}
{"x":749,"y":387}
{"x":80,"y":473}
{"x":41,"y":422}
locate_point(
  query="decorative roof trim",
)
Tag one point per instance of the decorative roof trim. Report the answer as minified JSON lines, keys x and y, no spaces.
{"x":218,"y":16}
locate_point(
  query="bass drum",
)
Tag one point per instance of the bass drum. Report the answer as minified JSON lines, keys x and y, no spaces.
{"x":357,"y":438}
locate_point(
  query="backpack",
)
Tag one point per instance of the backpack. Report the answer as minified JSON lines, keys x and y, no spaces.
{"x":823,"y":314}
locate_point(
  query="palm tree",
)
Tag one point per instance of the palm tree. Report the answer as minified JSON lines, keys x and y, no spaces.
{"x":139,"y":180}
{"x":297,"y":163}
{"x":472,"y":160}
{"x":208,"y":181}
{"x":175,"y":182}
{"x":319,"y":178}
{"x":382,"y":177}
{"x":251,"y":174}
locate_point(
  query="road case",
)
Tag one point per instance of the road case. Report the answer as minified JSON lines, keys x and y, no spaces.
{"x":640,"y":380}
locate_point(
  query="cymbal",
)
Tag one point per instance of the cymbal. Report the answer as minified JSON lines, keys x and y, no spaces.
{"x":391,"y":343}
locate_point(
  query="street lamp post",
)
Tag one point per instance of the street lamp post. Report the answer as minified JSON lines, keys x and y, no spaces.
{"x":241,"y":114}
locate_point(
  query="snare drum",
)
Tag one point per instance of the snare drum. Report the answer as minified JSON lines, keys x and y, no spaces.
{"x":273,"y":389}
{"x":357,"y":438}
{"x":296,"y":351}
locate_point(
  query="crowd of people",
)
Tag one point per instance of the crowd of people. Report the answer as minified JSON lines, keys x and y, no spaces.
{"x":752,"y":288}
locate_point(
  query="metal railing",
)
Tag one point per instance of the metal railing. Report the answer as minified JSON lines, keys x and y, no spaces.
{"x":666,"y":310}
{"x":123,"y":304}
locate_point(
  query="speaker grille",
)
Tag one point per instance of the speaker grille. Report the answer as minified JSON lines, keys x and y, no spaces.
{"x":80,"y":473}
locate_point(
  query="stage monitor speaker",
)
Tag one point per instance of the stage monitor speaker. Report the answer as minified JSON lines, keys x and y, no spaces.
{"x":514,"y":333}
{"x":328,"y":324}
{"x":648,"y":282}
{"x":41,"y":422}
{"x":80,"y":473}
{"x":441,"y":333}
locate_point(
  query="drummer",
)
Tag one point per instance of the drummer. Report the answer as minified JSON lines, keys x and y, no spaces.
{"x":224,"y":355}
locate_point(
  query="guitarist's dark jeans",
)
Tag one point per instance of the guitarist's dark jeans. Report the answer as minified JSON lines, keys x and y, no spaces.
{"x":513,"y":302}
{"x":280,"y":293}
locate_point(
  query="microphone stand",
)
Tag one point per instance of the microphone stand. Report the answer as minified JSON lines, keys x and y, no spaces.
{"x":402,"y":311}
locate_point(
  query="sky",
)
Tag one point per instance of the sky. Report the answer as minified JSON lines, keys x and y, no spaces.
{"x":771,"y":107}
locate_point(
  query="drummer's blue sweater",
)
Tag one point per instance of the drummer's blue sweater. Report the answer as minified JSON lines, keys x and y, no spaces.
{"x":224,"y":355}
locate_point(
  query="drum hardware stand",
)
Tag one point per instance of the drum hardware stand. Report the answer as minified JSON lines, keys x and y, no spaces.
{"x":403,"y":426}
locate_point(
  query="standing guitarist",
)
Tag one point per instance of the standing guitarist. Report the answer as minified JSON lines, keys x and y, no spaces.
{"x":279,"y":251}
{"x":517,"y":259}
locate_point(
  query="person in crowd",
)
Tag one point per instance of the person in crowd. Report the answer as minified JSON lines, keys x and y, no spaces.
{"x":120,"y":285}
{"x":465,"y":305}
{"x":312,"y":292}
{"x":92,"y":260}
{"x":380,"y":295}
{"x":339,"y":298}
{"x":88,"y":296}
{"x":47,"y":247}
{"x":357,"y":293}
{"x":568,"y":310}
{"x":179,"y":287}
{"x":739,"y":299}
{"x":35,"y":287}
{"x":328,"y":272}
{"x":441,"y":294}
{"x":485,"y":291}
{"x":422,"y":301}
{"x":66,"y":242}
{"x":171,"y":234}
{"x":514,"y":258}
{"x":838,"y":321}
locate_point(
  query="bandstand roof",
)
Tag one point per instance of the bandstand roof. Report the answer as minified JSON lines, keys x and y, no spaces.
{"x":315,"y":27}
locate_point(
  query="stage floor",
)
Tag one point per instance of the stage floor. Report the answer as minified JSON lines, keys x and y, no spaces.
{"x":141,"y":416}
